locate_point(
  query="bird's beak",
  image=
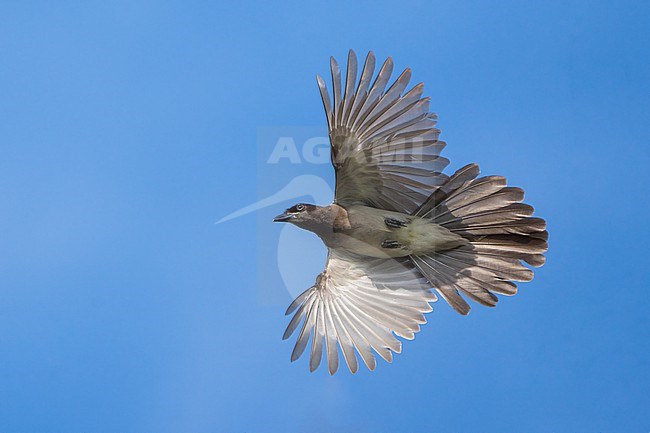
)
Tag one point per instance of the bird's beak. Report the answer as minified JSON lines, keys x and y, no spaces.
{"x":283,"y":218}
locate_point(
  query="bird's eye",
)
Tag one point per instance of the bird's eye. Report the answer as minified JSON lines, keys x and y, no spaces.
{"x":300,"y":208}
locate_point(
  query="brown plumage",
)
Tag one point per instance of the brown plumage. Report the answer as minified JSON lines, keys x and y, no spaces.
{"x":399,"y":227}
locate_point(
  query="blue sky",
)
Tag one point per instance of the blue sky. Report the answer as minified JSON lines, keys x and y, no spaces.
{"x":127,"y":129}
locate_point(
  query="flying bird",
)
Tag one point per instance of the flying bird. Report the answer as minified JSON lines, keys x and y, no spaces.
{"x":400,"y":232}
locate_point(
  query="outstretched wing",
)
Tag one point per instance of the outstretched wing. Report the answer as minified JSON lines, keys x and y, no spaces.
{"x":385,"y":147}
{"x":359,"y":305}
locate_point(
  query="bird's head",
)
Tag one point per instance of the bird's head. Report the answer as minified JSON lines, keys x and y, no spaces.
{"x":301,"y":214}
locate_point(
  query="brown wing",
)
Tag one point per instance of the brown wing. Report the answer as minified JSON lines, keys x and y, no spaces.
{"x":384,"y":144}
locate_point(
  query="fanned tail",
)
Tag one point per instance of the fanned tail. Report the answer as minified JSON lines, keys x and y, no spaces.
{"x":501,"y":233}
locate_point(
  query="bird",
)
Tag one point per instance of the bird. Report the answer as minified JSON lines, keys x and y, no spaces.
{"x":400,"y":233}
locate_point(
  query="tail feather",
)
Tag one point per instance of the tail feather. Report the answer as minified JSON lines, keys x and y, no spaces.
{"x":443,"y":282}
{"x":456,"y":181}
{"x":501,"y":234}
{"x":494,"y":198}
{"x":527,"y":248}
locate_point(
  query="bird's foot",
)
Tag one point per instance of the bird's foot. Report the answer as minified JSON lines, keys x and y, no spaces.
{"x":394,"y":223}
{"x":390,"y":244}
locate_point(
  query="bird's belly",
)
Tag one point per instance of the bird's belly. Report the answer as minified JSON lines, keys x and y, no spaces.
{"x":370,"y":246}
{"x":370,"y":235}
